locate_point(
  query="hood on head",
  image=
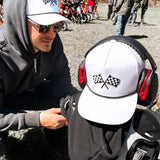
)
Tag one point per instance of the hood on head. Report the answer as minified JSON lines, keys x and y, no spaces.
{"x":15,"y":28}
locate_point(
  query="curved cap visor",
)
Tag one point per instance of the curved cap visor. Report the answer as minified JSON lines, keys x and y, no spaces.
{"x":48,"y":19}
{"x":111,"y":111}
{"x":44,"y":12}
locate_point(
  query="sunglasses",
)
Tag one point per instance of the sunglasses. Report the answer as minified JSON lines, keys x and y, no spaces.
{"x":45,"y":28}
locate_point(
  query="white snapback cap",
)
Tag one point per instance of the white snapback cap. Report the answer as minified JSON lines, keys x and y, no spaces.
{"x":44,"y":12}
{"x":112,"y":70}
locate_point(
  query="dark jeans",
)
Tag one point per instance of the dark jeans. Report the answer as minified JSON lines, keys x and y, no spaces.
{"x":121,"y":24}
{"x":133,"y":16}
{"x":142,"y":14}
{"x":109,"y":11}
{"x":144,"y":8}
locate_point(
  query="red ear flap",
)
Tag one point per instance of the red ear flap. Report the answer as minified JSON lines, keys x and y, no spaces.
{"x":82,"y":80}
{"x":145,"y":86}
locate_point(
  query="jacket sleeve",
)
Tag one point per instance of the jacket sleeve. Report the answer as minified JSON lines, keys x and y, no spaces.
{"x":118,"y":5}
{"x":13,"y":120}
{"x":60,"y":77}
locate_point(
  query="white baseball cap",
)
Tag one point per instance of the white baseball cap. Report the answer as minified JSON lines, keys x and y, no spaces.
{"x":112,"y":70}
{"x":44,"y":12}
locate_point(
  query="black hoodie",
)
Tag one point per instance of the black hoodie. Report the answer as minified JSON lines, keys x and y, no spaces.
{"x":21,"y":69}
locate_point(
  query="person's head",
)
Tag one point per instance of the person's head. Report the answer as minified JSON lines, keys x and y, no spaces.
{"x":44,"y":21}
{"x":115,"y":77}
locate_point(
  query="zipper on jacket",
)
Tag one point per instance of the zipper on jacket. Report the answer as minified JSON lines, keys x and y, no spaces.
{"x":35,"y":65}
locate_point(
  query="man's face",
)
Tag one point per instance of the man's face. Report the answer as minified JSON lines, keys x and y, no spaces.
{"x":41,"y":41}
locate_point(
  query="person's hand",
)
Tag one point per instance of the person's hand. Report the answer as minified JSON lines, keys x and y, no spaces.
{"x":51,"y":119}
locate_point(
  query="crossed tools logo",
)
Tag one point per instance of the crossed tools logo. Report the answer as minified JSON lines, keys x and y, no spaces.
{"x":110,"y":80}
{"x":53,"y":2}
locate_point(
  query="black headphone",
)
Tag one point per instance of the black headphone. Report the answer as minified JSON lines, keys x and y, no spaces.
{"x":148,"y":82}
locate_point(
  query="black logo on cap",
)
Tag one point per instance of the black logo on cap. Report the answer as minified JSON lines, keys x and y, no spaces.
{"x":53,"y":2}
{"x":110,"y":80}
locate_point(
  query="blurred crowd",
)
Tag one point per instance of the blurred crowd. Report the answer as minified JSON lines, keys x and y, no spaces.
{"x":79,"y":11}
{"x":125,"y":11}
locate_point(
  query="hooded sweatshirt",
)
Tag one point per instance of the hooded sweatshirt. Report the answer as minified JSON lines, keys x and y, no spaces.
{"x":21,"y":69}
